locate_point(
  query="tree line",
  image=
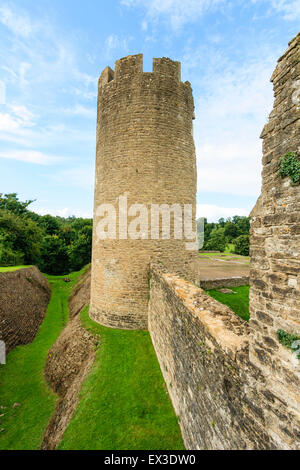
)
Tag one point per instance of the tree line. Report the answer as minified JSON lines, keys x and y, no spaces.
{"x":231,"y":234}
{"x":57,"y":245}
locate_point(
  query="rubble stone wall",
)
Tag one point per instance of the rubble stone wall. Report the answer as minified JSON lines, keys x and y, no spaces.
{"x":216,"y":283}
{"x":275,"y":253}
{"x":24,"y":297}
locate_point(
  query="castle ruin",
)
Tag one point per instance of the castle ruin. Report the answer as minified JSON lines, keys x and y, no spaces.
{"x":232,"y":384}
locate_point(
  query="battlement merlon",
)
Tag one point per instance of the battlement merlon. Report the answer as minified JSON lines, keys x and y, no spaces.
{"x":107,"y":75}
{"x":133,"y":64}
{"x":167,"y":67}
{"x":130,"y":65}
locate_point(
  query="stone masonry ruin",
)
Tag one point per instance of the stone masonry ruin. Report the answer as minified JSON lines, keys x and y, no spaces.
{"x":275,"y":256}
{"x":232,"y":384}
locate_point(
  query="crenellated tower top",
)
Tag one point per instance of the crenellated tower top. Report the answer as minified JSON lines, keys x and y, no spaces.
{"x":129,"y":66}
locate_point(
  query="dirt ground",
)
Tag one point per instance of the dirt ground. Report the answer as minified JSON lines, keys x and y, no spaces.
{"x":222,"y":265}
{"x":69,"y":361}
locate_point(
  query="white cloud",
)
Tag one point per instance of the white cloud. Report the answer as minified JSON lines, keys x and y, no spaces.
{"x":19,"y":24}
{"x":51,"y":135}
{"x":2,"y":92}
{"x":8,"y":122}
{"x":20,"y":126}
{"x":15,"y":118}
{"x":24,"y":68}
{"x":232,"y":103}
{"x":24,"y":116}
{"x":79,"y":110}
{"x":289,"y":8}
{"x":213,"y":213}
{"x":30,"y":156}
{"x":42,"y":56}
{"x":178,"y":12}
{"x":230,"y":168}
{"x":83,"y":93}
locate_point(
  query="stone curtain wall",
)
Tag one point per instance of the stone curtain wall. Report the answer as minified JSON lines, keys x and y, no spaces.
{"x":203,"y":351}
{"x":24,"y":297}
{"x":275,"y":254}
{"x":216,"y":283}
{"x":198,"y":343}
{"x":145,"y":148}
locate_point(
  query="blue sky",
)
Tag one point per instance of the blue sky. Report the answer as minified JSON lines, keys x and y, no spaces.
{"x":52,"y":53}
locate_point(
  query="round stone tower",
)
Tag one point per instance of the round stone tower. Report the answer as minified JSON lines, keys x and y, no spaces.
{"x":145,"y":158}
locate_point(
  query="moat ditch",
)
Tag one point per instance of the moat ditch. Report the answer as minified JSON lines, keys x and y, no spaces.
{"x":79,"y":385}
{"x":27,"y":402}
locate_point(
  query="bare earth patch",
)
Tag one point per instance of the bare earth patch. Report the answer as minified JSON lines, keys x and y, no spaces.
{"x":217,"y":265}
{"x":69,"y":362}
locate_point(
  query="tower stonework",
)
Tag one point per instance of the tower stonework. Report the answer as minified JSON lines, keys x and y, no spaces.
{"x":145,"y":153}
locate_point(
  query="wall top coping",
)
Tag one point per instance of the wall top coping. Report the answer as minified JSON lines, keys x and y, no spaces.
{"x":229,"y":330}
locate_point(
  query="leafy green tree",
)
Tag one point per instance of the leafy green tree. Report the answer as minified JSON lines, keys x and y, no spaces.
{"x":243,"y":223}
{"x":79,"y":223}
{"x":50,"y":224}
{"x":54,"y":255}
{"x":10,"y":202}
{"x":217,"y":240}
{"x":233,"y":227}
{"x":208,"y":227}
{"x":231,"y":231}
{"x":68,"y":234}
{"x":22,"y":235}
{"x":8,"y":256}
{"x":80,"y":251}
{"x":31,"y":242}
{"x":242,"y":245}
{"x":55,"y":244}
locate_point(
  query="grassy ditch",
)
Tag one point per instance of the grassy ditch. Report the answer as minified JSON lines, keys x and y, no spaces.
{"x":123,"y":402}
{"x":7,"y":269}
{"x":26,"y":401}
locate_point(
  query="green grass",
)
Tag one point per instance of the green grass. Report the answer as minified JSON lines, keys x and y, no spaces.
{"x":225,"y":254}
{"x":22,"y":378}
{"x":123,"y":401}
{"x":212,"y":254}
{"x":230,"y":248}
{"x":238,"y":302}
{"x":5,"y":269}
{"x":290,"y":341}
